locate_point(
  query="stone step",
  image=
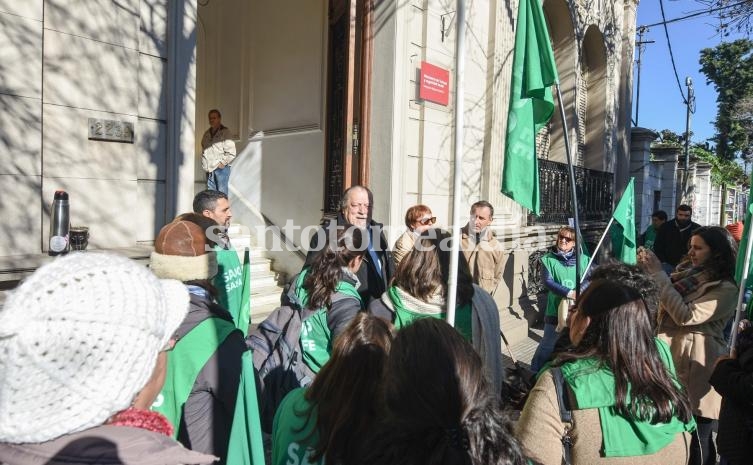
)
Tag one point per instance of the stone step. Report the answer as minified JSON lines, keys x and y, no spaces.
{"x":261,"y":312}
{"x":263,"y":295}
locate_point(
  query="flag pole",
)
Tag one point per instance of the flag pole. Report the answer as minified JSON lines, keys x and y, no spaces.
{"x":457,"y":191}
{"x":593,"y":255}
{"x":573,"y":191}
{"x":741,"y":294}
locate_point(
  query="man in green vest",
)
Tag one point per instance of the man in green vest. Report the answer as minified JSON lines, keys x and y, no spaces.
{"x":230,"y":275}
{"x":558,"y":274}
{"x":204,"y":368}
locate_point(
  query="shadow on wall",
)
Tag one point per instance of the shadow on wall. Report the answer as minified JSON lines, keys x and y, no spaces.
{"x":114,"y":68}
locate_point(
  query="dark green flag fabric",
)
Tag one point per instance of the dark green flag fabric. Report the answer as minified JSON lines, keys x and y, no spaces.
{"x":531,"y":105}
{"x":245,"y":446}
{"x":624,"y":244}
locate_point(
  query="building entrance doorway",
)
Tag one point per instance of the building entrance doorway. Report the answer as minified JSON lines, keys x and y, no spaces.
{"x":348,"y":70}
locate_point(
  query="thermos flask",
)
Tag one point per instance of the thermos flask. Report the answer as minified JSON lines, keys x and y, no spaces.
{"x":60,"y":224}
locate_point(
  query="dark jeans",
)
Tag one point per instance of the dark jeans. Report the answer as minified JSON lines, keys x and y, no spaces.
{"x":702,"y":447}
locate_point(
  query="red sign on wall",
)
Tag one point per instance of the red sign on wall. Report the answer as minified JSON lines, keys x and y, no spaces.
{"x":434,"y":85}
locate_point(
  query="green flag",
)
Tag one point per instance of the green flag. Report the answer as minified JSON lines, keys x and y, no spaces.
{"x":531,"y":105}
{"x":245,"y":446}
{"x":623,"y":230}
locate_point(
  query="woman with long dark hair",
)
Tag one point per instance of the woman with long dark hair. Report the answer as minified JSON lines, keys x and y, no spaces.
{"x":330,"y":286}
{"x":327,"y":421}
{"x":619,"y":383}
{"x":439,"y":407}
{"x":419,"y":290}
{"x":695,"y":303}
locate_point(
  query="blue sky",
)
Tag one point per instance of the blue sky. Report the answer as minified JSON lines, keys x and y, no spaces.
{"x":661,"y":105}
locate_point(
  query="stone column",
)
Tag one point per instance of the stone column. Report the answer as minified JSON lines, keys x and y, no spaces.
{"x":640,"y":169}
{"x":665,"y":161}
{"x":623,"y":148}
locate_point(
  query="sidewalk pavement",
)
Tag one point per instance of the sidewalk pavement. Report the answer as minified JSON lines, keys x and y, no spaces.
{"x":523,"y":351}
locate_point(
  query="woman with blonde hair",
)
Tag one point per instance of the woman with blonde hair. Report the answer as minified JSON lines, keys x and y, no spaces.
{"x":418,"y":219}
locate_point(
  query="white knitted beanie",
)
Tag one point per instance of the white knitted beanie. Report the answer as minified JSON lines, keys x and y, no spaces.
{"x":78,"y":340}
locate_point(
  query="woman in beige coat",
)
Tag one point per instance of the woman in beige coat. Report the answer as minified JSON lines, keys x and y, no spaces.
{"x":696,"y":301}
{"x":620,"y":386}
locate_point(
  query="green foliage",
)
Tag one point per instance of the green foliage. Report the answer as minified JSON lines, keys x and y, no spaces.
{"x":729,"y":66}
{"x":669,"y":137}
{"x":723,"y":172}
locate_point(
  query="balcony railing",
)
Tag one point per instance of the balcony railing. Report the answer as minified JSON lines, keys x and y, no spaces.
{"x":594,"y":189}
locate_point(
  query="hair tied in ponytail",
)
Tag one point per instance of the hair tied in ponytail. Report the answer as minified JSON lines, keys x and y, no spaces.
{"x":457,"y":438}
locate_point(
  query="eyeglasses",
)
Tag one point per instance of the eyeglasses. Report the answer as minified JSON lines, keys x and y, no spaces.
{"x":567,"y":240}
{"x":428,"y":220}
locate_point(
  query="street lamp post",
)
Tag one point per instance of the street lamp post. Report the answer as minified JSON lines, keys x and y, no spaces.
{"x":690,"y":104}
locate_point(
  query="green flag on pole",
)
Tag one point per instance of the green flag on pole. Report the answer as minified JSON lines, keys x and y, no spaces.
{"x":623,"y":230}
{"x":245,"y":446}
{"x":531,"y":105}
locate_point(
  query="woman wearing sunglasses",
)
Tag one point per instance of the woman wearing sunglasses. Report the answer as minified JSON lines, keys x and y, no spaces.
{"x":558,"y":274}
{"x":418,"y":219}
{"x":619,"y":384}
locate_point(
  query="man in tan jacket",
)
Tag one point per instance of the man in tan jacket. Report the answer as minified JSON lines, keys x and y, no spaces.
{"x":481,"y":249}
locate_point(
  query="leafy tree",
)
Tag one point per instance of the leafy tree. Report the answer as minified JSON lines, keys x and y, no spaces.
{"x":723,"y":172}
{"x":729,"y":66}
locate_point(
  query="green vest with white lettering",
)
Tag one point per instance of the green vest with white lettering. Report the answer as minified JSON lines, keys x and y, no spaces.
{"x":293,"y":432}
{"x":229,"y":283}
{"x":185,"y":362}
{"x":316,"y":338}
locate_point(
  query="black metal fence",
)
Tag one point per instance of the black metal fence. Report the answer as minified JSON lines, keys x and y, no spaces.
{"x":594,"y":189}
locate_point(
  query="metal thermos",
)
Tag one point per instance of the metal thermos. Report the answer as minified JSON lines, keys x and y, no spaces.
{"x":60,"y":224}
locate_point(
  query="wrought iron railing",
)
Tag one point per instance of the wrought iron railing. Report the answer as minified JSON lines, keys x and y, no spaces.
{"x":594,"y":189}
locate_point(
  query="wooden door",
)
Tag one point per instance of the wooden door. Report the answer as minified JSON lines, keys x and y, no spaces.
{"x":348,"y":72}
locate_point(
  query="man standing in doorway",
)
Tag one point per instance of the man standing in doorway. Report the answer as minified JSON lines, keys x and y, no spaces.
{"x":673,"y":238}
{"x":481,"y":249}
{"x":218,"y":152}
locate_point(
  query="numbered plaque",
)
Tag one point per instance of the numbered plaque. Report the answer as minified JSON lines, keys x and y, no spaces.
{"x":110,"y":130}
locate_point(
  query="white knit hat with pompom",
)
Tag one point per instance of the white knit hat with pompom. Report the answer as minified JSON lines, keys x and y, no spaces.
{"x":78,"y":340}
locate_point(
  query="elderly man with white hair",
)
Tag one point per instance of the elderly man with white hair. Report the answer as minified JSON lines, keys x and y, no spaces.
{"x":355,"y":211}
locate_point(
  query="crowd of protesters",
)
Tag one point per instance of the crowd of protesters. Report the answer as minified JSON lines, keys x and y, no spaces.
{"x":106,"y":361}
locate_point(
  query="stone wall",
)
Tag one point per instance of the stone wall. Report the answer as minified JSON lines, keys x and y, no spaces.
{"x":64,"y":62}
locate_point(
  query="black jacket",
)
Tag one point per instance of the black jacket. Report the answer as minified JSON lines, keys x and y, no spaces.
{"x":733,"y":379}
{"x":373,"y":283}
{"x":672,"y":244}
{"x":208,"y":412}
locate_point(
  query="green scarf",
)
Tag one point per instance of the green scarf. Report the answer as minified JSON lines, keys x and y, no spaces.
{"x":404,"y":315}
{"x":593,"y":385}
